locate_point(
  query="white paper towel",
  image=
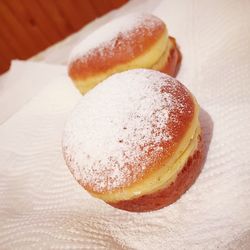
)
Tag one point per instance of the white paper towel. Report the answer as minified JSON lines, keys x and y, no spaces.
{"x":42,"y":206}
{"x":22,"y":82}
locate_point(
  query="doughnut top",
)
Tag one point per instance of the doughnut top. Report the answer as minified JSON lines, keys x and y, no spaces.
{"x":125,"y":128}
{"x":116,"y":42}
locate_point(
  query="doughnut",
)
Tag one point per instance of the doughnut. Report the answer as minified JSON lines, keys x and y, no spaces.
{"x":132,"y":41}
{"x":135,"y":140}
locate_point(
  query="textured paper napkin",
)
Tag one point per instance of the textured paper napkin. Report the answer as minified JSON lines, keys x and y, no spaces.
{"x":22,"y":82}
{"x":42,"y":206}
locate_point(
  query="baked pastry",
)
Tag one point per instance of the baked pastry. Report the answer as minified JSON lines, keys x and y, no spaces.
{"x":135,"y":141}
{"x":132,"y":41}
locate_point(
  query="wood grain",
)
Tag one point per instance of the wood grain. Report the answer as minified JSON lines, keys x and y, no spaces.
{"x":29,"y":26}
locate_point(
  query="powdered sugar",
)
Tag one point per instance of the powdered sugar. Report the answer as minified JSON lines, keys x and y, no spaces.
{"x":105,"y":38}
{"x":117,"y":124}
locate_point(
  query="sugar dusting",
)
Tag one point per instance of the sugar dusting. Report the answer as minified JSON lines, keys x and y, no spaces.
{"x":117,"y":124}
{"x":105,"y":39}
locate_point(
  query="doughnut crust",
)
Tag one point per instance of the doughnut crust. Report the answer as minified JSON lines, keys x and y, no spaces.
{"x":133,"y":41}
{"x":173,"y":60}
{"x":170,"y":193}
{"x":132,"y":137}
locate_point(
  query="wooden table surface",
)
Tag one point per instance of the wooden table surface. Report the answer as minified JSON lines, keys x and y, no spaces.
{"x":29,"y":26}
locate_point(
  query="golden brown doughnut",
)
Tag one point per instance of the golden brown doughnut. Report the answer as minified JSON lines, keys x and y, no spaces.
{"x":135,"y":141}
{"x":133,"y":41}
{"x":166,"y":196}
